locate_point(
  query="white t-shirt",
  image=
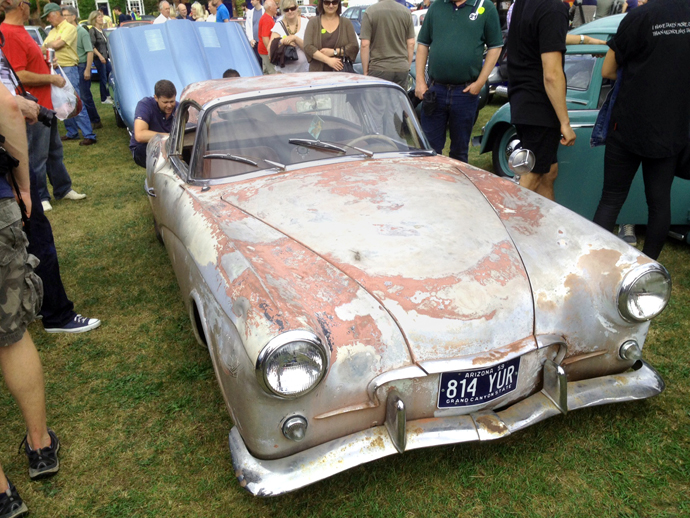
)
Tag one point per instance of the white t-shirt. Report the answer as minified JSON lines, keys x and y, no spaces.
{"x":160,"y":19}
{"x":301,"y":65}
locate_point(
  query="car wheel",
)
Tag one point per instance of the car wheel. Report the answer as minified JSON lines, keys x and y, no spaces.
{"x":118,"y":120}
{"x":504,"y":144}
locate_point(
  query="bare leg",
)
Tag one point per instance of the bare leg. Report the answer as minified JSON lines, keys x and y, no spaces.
{"x":3,"y":481}
{"x":21,"y":367}
{"x":541,"y":183}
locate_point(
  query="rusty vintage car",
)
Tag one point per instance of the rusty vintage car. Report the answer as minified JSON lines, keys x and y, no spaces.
{"x":361,"y":296}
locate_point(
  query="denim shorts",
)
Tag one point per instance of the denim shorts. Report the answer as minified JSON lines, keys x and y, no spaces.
{"x":21,"y":290}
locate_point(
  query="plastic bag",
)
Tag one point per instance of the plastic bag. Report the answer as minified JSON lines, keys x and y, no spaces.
{"x":66,"y":101}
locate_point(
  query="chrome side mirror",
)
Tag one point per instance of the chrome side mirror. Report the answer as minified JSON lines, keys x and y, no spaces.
{"x":521,"y":161}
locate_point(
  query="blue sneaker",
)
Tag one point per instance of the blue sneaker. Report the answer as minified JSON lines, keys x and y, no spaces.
{"x":43,"y":462}
{"x":78,"y":324}
{"x":11,"y":505}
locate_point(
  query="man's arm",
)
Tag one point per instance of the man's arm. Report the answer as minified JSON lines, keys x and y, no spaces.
{"x":89,"y":62}
{"x":421,"y":86}
{"x":33,"y":79}
{"x":410,"y":51}
{"x":56,"y":44}
{"x":609,"y":69}
{"x":554,"y":83}
{"x":489,"y":64}
{"x":142,"y":133}
{"x":364,"y":49}
{"x":13,"y":128}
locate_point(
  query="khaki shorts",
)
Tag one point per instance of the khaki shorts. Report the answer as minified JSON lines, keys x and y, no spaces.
{"x":21,"y":290}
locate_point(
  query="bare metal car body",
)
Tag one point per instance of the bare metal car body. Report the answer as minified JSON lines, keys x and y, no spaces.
{"x":408,"y":274}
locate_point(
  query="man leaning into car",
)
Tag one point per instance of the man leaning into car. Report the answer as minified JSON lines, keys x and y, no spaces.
{"x":153,"y":116}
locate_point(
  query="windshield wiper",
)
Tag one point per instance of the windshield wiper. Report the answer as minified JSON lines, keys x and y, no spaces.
{"x":420,"y":152}
{"x":317,"y":144}
{"x":328,"y":146}
{"x":234,"y":158}
{"x":245,"y":160}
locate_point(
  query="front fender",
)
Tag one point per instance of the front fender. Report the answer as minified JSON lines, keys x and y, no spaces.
{"x":494,"y":127}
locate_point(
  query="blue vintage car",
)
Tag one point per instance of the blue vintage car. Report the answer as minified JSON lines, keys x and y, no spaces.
{"x":181,"y":51}
{"x":581,"y":167}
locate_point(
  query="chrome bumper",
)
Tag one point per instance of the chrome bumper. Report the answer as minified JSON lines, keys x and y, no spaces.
{"x":274,"y":477}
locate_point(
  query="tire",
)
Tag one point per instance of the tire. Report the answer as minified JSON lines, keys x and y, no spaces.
{"x":505,"y":143}
{"x":118,"y":120}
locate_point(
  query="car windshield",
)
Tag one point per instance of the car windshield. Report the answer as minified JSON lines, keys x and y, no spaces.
{"x":578,"y":71}
{"x":297,"y":128}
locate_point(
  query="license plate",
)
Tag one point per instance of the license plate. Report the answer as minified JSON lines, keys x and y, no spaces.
{"x":476,"y":387}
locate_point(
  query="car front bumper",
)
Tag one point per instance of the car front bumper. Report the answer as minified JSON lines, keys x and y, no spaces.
{"x":274,"y":477}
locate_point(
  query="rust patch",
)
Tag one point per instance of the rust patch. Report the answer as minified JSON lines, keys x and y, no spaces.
{"x":491,"y":424}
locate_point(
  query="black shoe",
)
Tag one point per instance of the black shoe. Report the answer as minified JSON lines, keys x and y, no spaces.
{"x":11,"y":505}
{"x":43,"y":462}
{"x":97,"y":125}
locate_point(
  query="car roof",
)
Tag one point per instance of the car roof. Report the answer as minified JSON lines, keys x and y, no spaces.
{"x":204,"y":92}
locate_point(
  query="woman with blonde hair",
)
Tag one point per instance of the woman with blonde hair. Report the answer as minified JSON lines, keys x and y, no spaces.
{"x":290,"y":31}
{"x":198,"y":12}
{"x":100,"y":53}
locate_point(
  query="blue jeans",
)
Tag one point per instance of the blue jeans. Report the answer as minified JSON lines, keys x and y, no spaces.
{"x":454,"y":110}
{"x":81,"y":121}
{"x":46,"y":159}
{"x":86,"y":97}
{"x":104,"y":70}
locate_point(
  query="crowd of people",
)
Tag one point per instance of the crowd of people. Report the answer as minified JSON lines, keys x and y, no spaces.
{"x":458,"y":46}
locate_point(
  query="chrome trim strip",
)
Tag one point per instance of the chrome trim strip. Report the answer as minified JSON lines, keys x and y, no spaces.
{"x":149,"y":190}
{"x":274,"y":477}
{"x":575,"y":126}
{"x":472,"y":362}
{"x":404,"y":373}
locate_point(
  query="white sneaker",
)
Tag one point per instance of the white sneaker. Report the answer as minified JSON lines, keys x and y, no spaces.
{"x":46,"y":206}
{"x":73,"y":195}
{"x":108,"y":100}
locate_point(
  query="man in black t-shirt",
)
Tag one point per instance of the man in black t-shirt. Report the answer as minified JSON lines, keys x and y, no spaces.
{"x":536,"y":86}
{"x":650,"y":118}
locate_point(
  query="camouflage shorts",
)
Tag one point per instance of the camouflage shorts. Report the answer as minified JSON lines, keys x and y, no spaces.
{"x":21,"y":290}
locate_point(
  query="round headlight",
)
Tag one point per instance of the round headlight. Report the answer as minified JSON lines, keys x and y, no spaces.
{"x":644,"y":292}
{"x":292,"y":364}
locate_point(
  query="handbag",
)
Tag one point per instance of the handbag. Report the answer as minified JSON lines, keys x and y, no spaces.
{"x":282,"y":53}
{"x":66,"y":101}
{"x":601,"y":125}
{"x":347,"y":65}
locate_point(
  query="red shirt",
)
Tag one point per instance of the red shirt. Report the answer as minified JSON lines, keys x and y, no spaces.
{"x":266,"y":23}
{"x":23,"y":53}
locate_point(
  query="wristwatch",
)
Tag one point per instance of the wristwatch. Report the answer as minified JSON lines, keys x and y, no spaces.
{"x":582,"y":39}
{"x":335,"y":52}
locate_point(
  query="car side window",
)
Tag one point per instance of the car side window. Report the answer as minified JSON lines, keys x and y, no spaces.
{"x":189,"y":119}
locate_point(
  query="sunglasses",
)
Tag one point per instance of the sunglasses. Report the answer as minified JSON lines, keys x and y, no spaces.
{"x":27,"y":4}
{"x":290,"y":9}
{"x":331,"y":2}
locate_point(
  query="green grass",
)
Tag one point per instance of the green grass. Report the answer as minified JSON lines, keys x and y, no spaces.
{"x":144,"y":427}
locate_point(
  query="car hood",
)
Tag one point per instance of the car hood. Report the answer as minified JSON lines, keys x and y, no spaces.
{"x":417,"y":235}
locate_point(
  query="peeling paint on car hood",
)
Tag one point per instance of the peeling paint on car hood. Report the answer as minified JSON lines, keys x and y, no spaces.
{"x":417,"y":235}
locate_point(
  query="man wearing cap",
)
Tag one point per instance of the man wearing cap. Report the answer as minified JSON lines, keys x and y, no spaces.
{"x":453,"y":38}
{"x":63,"y":39}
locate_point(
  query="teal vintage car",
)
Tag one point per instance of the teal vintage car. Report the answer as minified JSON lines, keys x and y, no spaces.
{"x":581,"y":167}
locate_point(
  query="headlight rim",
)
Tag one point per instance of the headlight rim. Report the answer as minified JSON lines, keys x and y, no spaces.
{"x":275,"y":344}
{"x":629,"y":281}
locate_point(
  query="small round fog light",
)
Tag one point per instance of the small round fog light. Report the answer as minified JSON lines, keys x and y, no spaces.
{"x":630,"y":351}
{"x":295,"y":428}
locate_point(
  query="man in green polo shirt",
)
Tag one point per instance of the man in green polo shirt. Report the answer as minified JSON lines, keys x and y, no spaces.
{"x":453,"y":38}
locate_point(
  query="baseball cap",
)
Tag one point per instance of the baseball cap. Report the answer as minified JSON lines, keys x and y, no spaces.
{"x":50,"y":8}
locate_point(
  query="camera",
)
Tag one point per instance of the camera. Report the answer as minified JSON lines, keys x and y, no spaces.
{"x":45,"y":115}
